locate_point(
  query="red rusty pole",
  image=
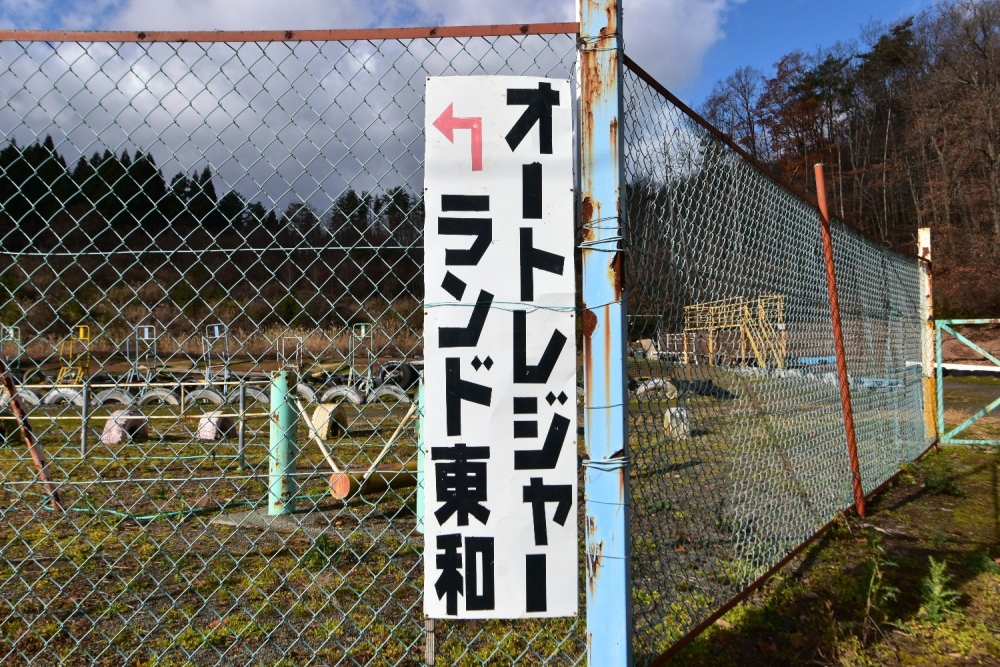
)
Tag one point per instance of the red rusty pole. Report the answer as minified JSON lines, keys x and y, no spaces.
{"x":7,"y":384}
{"x":838,"y":343}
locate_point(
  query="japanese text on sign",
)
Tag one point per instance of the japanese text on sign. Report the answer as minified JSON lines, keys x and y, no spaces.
{"x":500,"y":354}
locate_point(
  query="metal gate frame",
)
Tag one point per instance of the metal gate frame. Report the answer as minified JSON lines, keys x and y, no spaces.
{"x":948,"y":437}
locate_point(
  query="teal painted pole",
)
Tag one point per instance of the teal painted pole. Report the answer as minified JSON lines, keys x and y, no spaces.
{"x":420,"y":456}
{"x":281,"y":487}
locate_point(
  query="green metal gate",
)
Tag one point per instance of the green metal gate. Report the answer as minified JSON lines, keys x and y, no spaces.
{"x":951,"y":437}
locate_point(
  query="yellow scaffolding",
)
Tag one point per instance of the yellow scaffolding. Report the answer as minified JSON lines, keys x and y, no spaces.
{"x":74,"y":356}
{"x":760,"y":321}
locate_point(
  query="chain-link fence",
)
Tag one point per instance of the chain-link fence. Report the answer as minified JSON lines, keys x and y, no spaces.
{"x":737,"y":436}
{"x":180,"y":220}
{"x":183,"y":220}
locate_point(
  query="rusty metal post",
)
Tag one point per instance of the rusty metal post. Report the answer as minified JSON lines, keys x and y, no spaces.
{"x":35,"y":449}
{"x":927,"y":334}
{"x":838,"y":344}
{"x":284,"y":421}
{"x":606,"y":479}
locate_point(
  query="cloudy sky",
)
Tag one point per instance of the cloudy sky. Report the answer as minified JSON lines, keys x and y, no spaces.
{"x":687,"y":44}
{"x":286,"y":122}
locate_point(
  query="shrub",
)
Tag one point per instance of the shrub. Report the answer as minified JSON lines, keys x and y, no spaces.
{"x":939,"y":601}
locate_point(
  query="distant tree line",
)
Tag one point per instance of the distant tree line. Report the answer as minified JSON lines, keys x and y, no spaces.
{"x":36,"y":185}
{"x":907,"y":120}
{"x":114,"y":220}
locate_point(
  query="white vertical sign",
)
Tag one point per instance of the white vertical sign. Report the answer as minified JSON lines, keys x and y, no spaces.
{"x":500,"y":349}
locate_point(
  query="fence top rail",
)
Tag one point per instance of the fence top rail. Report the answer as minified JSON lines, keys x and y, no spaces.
{"x":990,"y":320}
{"x":360,"y":34}
{"x":764,"y":169}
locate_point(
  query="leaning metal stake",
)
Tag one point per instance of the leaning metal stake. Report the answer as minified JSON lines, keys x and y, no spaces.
{"x":838,"y":344}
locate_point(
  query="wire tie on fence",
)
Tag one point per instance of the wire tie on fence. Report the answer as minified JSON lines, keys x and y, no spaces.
{"x":603,"y":407}
{"x":593,"y":244}
{"x":606,"y":465}
{"x":596,"y":223}
{"x":594,"y":39}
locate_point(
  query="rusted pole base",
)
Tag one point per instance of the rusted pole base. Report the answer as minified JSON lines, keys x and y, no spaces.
{"x":346,"y":485}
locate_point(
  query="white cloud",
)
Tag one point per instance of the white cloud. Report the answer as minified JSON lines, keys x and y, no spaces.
{"x":293,"y":119}
{"x":24,"y":13}
{"x":243,"y":14}
{"x":668,"y":37}
{"x":484,"y":12}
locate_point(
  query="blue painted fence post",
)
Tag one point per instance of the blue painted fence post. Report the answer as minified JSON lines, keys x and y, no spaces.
{"x":606,"y":482}
{"x":284,"y":422}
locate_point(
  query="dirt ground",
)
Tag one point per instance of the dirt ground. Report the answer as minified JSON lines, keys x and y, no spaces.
{"x":864,"y":593}
{"x":986,"y":336}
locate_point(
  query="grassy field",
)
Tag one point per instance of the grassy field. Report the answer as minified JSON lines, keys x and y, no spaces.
{"x":139,"y":570}
{"x":865,"y":593}
{"x":109,"y":584}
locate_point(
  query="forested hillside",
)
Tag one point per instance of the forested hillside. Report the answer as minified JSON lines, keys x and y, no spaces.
{"x":906,"y":118}
{"x":71,"y":235}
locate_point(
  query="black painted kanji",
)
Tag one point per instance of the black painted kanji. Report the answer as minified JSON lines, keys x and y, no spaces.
{"x":481,"y":228}
{"x":538,"y":493}
{"x":453,"y":285}
{"x":468,"y":336}
{"x":532,"y":258}
{"x":546,"y":457}
{"x":465,"y":202}
{"x":485,"y":599}
{"x":531,"y":191}
{"x":457,"y":390}
{"x":525,"y":373}
{"x":535,"y":583}
{"x":449,"y":583}
{"x":540,"y":103}
{"x":460,"y":483}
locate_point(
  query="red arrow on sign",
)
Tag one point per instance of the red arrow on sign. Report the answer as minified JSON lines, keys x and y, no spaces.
{"x":447,"y":123}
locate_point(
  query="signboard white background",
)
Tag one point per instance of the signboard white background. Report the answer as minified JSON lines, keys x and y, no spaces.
{"x":518,"y":560}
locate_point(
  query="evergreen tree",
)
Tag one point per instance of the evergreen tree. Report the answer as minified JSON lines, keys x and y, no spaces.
{"x":202,"y":205}
{"x":175,"y":204}
{"x":110,"y":172}
{"x":152,"y":189}
{"x":233,"y":208}
{"x":349,"y":218}
{"x":83,"y":175}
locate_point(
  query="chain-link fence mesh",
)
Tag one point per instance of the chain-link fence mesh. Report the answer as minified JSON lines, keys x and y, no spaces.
{"x":179,"y":221}
{"x":737,"y":436}
{"x":182,"y":220}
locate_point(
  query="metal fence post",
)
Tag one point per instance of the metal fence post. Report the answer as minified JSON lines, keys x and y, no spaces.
{"x":606,"y":482}
{"x":838,"y":344}
{"x":927,"y":355}
{"x":84,"y":416}
{"x":241,"y":462}
{"x":284,"y":421}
